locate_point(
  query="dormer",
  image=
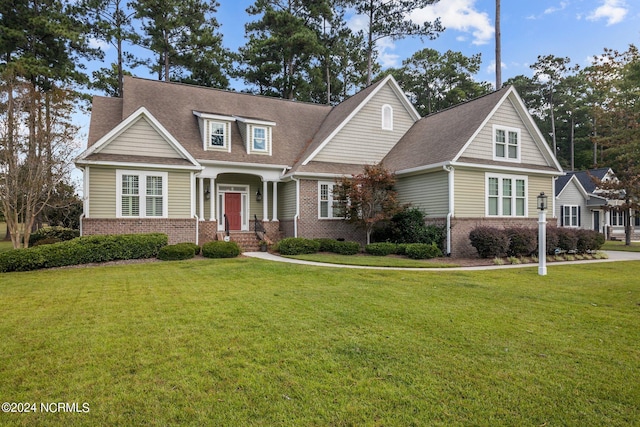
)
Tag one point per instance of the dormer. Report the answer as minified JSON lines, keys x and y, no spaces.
{"x":256,"y":134}
{"x":215,"y":130}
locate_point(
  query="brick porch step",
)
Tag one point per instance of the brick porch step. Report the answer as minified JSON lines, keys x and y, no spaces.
{"x":247,"y":240}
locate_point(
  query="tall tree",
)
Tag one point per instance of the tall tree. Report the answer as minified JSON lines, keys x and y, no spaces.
{"x":386,"y":18}
{"x":283,"y":44}
{"x":435,"y":81}
{"x":41,"y":44}
{"x":183,"y":36}
{"x":619,"y":130}
{"x":368,"y":198}
{"x":112,"y":22}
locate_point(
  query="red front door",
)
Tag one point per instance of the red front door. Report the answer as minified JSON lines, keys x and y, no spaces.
{"x":233,"y":210}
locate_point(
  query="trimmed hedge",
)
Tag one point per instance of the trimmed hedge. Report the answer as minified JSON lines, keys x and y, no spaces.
{"x":346,"y":248}
{"x":178,"y":251}
{"x":490,"y":242}
{"x":326,"y":244}
{"x":84,"y":250}
{"x":423,"y":250}
{"x":298,"y":246}
{"x":220,"y":249}
{"x":381,"y":248}
{"x":522,"y":241}
{"x":52,"y":235}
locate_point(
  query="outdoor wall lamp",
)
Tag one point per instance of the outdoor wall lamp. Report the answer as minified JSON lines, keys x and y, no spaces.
{"x":258,"y":196}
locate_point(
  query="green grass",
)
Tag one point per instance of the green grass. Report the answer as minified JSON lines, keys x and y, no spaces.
{"x":373,"y":261}
{"x":616,"y":245}
{"x":247,"y":342}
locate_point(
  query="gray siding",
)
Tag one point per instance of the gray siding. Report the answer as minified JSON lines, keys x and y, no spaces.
{"x":141,"y":139}
{"x":571,"y":195}
{"x":506,"y":115}
{"x":429,"y":193}
{"x":363,"y":140}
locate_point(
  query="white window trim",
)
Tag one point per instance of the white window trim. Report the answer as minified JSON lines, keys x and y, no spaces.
{"x":571,"y":216}
{"x":266,"y":139}
{"x":142,"y":191}
{"x":226,"y":137}
{"x":330,"y":200}
{"x":506,"y":129}
{"x":500,"y":178}
{"x":382,"y":110}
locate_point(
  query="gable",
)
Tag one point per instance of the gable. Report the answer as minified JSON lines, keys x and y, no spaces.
{"x":140,"y":139}
{"x":506,"y":116}
{"x":363,"y":139}
{"x":572,"y":194}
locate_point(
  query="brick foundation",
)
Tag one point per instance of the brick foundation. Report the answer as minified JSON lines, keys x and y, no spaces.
{"x":178,"y":230}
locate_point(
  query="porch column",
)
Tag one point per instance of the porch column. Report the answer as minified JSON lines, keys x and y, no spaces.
{"x":201,"y":199}
{"x":265,"y":201}
{"x":212,"y":199}
{"x":274,"y":207}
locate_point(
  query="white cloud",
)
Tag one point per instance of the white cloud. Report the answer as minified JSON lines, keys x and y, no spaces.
{"x":613,"y":11}
{"x":459,"y":15}
{"x":550,"y":10}
{"x":101,"y":44}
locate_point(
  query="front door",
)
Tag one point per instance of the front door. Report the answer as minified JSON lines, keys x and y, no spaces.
{"x":596,"y":221}
{"x":233,"y":210}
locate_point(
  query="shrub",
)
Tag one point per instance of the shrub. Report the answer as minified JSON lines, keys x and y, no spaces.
{"x":522,"y":241}
{"x":552,"y":240}
{"x":326,"y":245}
{"x":346,"y":248}
{"x":589,"y":240}
{"x":61,"y":234}
{"x":47,"y":241}
{"x":490,"y":242}
{"x":178,"y":252}
{"x":567,"y":239}
{"x":297,"y":246}
{"x":423,"y":250}
{"x":401,"y":248}
{"x":408,"y":226}
{"x":381,"y":248}
{"x":220,"y":249}
{"x":83,"y":250}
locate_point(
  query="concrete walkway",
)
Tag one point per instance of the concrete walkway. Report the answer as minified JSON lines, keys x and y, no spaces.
{"x":613,"y":257}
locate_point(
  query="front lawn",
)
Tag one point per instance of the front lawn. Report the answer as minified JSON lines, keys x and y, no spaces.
{"x":375,"y":261}
{"x":245,"y":342}
{"x":618,"y":245}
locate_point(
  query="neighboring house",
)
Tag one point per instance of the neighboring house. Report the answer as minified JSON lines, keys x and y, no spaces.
{"x":581,"y":204}
{"x":195,"y":162}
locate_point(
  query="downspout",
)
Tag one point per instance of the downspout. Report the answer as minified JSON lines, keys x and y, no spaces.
{"x":297,"y":215}
{"x":197,"y":229}
{"x":81,"y":217}
{"x":450,"y":181}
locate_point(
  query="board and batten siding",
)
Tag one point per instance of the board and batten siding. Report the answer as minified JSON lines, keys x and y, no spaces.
{"x":102,"y":191}
{"x":141,"y":139}
{"x":428,"y":192}
{"x":506,"y":115}
{"x":362,"y":139}
{"x":470,"y":192}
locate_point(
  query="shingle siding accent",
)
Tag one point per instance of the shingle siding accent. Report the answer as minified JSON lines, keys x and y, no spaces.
{"x":178,"y":230}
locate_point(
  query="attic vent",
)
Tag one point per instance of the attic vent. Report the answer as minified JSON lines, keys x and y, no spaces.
{"x":387,"y":117}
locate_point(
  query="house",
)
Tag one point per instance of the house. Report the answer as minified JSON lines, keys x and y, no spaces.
{"x":580,"y":203}
{"x":200,"y":163}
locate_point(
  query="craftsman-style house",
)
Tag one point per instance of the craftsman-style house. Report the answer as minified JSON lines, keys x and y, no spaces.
{"x":200,"y":163}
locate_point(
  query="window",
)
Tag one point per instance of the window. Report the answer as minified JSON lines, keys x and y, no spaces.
{"x":141,"y":194}
{"x":217,"y":134}
{"x":506,"y":196}
{"x":327,"y":206}
{"x":570,"y":216}
{"x":506,"y":144}
{"x":387,"y":117}
{"x":617,"y":218}
{"x":260,"y":139}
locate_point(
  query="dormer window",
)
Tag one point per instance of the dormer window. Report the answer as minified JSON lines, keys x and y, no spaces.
{"x":218,"y":134}
{"x":387,"y":117}
{"x":259,"y":138}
